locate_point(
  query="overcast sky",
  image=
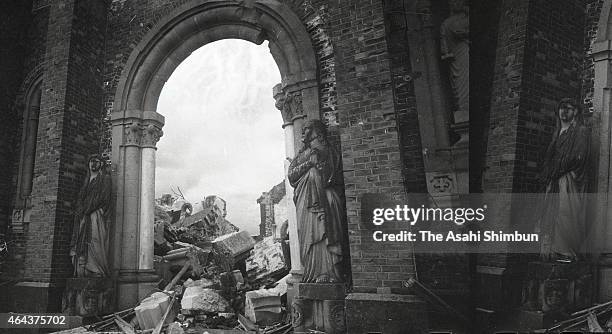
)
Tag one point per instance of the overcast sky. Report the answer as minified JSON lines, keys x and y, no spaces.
{"x":222,"y":135}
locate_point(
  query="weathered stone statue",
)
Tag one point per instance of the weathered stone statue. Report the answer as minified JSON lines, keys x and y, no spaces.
{"x":564,"y":175}
{"x":455,"y":48}
{"x":89,"y":245}
{"x":318,"y":204}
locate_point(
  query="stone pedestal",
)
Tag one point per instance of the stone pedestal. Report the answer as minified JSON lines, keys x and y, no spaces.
{"x":554,"y":290}
{"x":319,"y":307}
{"x":385,"y":313}
{"x":88,"y":297}
{"x":134,"y":286}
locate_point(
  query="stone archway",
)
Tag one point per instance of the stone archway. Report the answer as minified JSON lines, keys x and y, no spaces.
{"x":601,"y":51}
{"x":136,"y":125}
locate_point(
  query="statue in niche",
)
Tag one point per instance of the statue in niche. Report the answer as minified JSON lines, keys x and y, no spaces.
{"x":313,"y":174}
{"x":455,"y":49}
{"x":564,"y":175}
{"x":89,"y":244}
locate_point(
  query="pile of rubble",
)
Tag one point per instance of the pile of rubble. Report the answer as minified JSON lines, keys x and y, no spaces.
{"x":595,"y":319}
{"x":215,"y":278}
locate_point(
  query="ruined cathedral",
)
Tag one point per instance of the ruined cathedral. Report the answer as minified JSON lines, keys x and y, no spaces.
{"x":431,"y":97}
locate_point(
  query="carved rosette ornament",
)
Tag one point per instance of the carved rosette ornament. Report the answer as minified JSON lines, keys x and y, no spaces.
{"x":336,"y":317}
{"x":133,"y":134}
{"x":297,"y":315}
{"x":151,"y":135}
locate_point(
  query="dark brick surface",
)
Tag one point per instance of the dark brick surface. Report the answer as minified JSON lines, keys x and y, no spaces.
{"x":68,"y":129}
{"x":366,"y":112}
{"x":21,"y":59}
{"x":404,"y":99}
{"x":15,"y":19}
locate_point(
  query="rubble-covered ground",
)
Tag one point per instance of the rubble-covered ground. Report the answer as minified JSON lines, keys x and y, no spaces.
{"x":215,"y":278}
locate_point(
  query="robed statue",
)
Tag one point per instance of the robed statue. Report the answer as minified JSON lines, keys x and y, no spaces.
{"x":455,"y":48}
{"x":89,"y":245}
{"x":564,"y":177}
{"x":314,"y":175}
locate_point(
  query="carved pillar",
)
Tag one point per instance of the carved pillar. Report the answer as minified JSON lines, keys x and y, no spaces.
{"x":292,"y":101}
{"x":284,"y":105}
{"x":150,"y":136}
{"x":134,"y":176}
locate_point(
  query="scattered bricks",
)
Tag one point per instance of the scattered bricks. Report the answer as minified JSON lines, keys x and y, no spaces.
{"x":196,"y":298}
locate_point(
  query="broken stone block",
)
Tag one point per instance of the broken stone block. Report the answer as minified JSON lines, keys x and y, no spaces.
{"x":202,"y":299}
{"x":232,"y":248}
{"x":263,"y":306}
{"x":266,"y":263}
{"x":239,"y":279}
{"x":234,"y":244}
{"x":152,"y":309}
{"x":210,"y":220}
{"x":202,"y":282}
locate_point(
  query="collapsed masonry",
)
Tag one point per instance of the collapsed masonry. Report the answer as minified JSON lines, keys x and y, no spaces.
{"x":213,"y":276}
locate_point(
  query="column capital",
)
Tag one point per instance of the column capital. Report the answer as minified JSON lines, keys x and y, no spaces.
{"x":289,"y":104}
{"x":150,"y":135}
{"x":132,"y":134}
{"x":140,"y":128}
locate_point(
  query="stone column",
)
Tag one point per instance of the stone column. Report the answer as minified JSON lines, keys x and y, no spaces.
{"x":134,"y":176}
{"x":150,"y":136}
{"x":291,"y":107}
{"x":127,"y":212}
{"x":290,"y":149}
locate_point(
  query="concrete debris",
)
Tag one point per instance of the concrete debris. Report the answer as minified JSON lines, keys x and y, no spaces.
{"x":211,"y":219}
{"x":151,"y":309}
{"x":203,"y":299}
{"x":263,"y":306}
{"x":266,"y":263}
{"x":218,"y":273}
{"x":202,"y":282}
{"x":230,"y":249}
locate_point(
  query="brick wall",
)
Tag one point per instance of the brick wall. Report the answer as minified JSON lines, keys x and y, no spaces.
{"x":404,"y":99}
{"x":14,"y":22}
{"x":370,"y":143}
{"x":538,"y":60}
{"x":593,"y":11}
{"x":33,"y":67}
{"x":506,"y":93}
{"x":552,"y":70}
{"x":68,"y":131}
